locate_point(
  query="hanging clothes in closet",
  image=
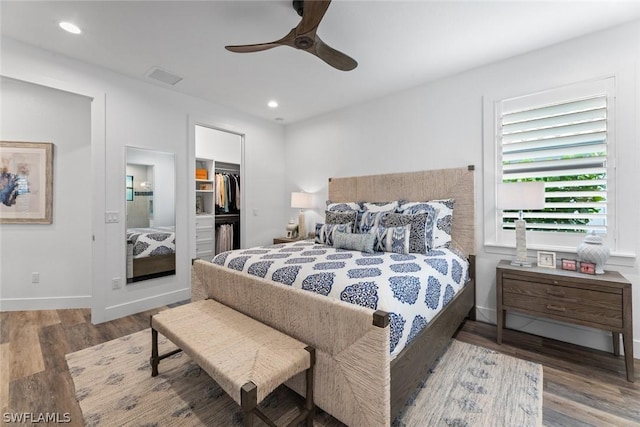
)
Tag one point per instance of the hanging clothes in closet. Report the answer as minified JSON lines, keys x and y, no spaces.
{"x":224,"y":238}
{"x":227,"y":192}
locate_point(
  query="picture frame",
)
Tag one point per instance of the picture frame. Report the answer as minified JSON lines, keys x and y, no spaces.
{"x":569,"y":264}
{"x":546,"y":259}
{"x":199,"y":205}
{"x":587,"y":267}
{"x":26,"y":182}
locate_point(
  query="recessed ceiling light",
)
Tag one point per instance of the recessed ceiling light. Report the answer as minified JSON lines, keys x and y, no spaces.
{"x":69,"y":27}
{"x":272,"y":104}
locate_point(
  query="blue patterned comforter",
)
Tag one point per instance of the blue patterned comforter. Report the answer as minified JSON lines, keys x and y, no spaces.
{"x":413,"y":288}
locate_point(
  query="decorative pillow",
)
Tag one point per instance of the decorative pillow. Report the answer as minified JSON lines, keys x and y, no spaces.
{"x":347,"y":217}
{"x":325,"y":232}
{"x":414,"y":208}
{"x":354,"y":242}
{"x":380,"y":206}
{"x":443,"y":219}
{"x":392,"y":239}
{"x":342,"y":207}
{"x":370,"y":219}
{"x":418,"y":239}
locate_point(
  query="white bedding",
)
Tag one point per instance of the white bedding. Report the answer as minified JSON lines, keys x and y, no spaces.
{"x":413,"y":288}
{"x":152,"y":241}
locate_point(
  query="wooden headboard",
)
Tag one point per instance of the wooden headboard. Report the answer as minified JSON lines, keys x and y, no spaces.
{"x":456,"y":183}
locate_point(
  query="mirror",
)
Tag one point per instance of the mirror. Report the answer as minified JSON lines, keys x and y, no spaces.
{"x":150,"y":198}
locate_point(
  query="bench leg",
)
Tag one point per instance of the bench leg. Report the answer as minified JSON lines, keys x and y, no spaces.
{"x":248,"y":401}
{"x":154,"y":353}
{"x":309,"y":403}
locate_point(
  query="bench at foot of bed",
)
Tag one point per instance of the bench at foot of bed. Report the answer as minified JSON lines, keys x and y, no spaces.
{"x":248,"y":359}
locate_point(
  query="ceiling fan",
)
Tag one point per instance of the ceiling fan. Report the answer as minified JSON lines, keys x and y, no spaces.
{"x":304,"y":37}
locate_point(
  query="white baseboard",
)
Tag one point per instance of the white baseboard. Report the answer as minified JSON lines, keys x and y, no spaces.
{"x":575,"y":334}
{"x":48,"y":303}
{"x":137,"y":306}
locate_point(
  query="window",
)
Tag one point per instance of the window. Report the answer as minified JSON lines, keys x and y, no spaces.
{"x":129,"y":188}
{"x":564,"y":138}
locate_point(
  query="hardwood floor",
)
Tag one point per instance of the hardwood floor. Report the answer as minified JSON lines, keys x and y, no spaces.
{"x":582,"y":387}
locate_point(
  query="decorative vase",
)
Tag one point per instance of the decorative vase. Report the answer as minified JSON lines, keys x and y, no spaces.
{"x":593,"y":249}
{"x":291,"y":228}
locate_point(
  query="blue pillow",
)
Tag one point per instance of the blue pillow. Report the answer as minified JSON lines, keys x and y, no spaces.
{"x":391,"y":239}
{"x":354,"y":242}
{"x":418,"y":240}
{"x":325,"y":232}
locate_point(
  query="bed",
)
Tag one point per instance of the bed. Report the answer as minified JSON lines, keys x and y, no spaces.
{"x":150,"y":253}
{"x":361,"y":379}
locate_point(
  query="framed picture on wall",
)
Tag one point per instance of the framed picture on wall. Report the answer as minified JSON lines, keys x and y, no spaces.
{"x":26,"y":182}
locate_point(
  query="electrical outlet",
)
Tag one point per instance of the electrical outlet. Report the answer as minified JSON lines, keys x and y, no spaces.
{"x":116,"y":283}
{"x":35,"y":277}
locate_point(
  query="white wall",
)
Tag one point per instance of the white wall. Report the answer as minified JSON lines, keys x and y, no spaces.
{"x":218,"y":145}
{"x":147,"y":116}
{"x":60,"y":252}
{"x":440,"y":125}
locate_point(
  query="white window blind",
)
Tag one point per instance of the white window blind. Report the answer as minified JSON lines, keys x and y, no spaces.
{"x":564,"y":144}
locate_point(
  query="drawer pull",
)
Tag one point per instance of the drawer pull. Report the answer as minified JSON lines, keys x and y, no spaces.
{"x":555,"y":292}
{"x":555,"y":307}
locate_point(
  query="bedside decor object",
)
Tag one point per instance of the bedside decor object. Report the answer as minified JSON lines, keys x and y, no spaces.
{"x":521,"y":196}
{"x":291,"y":229}
{"x":588,"y":268}
{"x":569,"y":264}
{"x":301,"y":201}
{"x":546,"y":259}
{"x":593,"y":249}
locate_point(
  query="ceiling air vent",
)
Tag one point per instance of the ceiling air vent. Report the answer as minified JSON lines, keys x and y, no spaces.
{"x":163,"y":76}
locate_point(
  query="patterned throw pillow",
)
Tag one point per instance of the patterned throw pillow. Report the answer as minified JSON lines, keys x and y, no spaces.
{"x":342,"y":207}
{"x":370,"y":219}
{"x":443,"y":219}
{"x":325,"y":232}
{"x":418,"y":239}
{"x":354,"y":242}
{"x":347,"y":217}
{"x":391,"y":239}
{"x":380,"y":206}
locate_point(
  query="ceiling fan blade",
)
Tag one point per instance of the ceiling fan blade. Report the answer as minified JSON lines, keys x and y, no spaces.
{"x":333,"y":57}
{"x":252,"y":47}
{"x":285,"y":41}
{"x":314,"y":11}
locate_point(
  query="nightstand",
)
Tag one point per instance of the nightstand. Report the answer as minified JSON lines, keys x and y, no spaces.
{"x":277,"y":240}
{"x":601,"y":301}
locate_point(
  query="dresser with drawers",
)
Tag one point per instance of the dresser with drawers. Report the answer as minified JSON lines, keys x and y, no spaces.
{"x":600,"y":301}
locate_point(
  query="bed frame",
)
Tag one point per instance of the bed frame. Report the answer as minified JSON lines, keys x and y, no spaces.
{"x":149,"y":267}
{"x":356,"y":381}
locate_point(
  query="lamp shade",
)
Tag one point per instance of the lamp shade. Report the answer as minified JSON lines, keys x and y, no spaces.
{"x":521,"y":195}
{"x":301,"y":200}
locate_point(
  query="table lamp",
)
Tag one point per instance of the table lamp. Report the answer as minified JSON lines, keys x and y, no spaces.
{"x":521,"y":196}
{"x":301,"y":201}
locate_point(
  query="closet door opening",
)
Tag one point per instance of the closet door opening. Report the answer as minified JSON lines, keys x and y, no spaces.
{"x":218,"y":191}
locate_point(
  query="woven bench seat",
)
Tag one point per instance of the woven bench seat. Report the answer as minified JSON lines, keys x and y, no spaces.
{"x":248,"y":359}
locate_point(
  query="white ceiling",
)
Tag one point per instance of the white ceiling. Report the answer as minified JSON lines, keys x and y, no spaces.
{"x":398,"y":44}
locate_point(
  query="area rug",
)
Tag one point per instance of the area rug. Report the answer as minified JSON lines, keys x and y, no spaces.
{"x":469,"y":386}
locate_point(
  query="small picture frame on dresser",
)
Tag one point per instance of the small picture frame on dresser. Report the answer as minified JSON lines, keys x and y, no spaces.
{"x":587,"y":267}
{"x":569,"y":264}
{"x":546,"y":259}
